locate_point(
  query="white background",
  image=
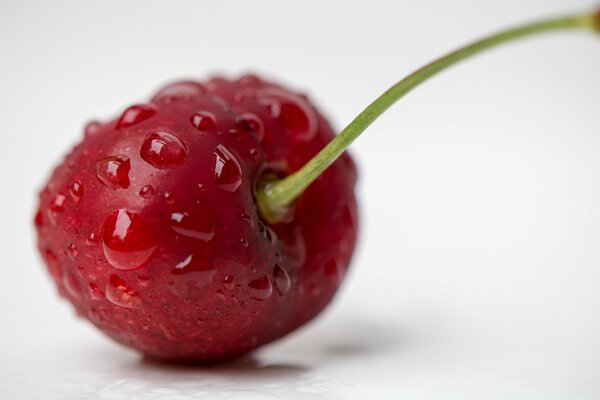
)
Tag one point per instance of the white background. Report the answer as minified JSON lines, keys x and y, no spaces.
{"x":477,"y":275}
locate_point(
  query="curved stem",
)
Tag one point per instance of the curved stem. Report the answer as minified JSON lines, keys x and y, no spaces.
{"x":275,"y":196}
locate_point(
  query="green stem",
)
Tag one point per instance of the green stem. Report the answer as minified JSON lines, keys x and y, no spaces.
{"x":274,"y":196}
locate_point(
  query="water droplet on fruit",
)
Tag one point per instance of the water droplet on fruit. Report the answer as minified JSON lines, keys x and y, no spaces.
{"x":146,"y":192}
{"x":248,"y":219}
{"x":192,"y":226}
{"x":76,"y":190}
{"x":255,"y":153}
{"x":134,"y":115}
{"x":168,"y":197}
{"x":126,"y":240}
{"x":58,"y":203}
{"x":113,"y":171}
{"x":220,"y":295}
{"x":249,"y":122}
{"x":71,"y":285}
{"x":184,"y":263}
{"x":261,"y":288}
{"x":95,"y":291}
{"x":91,"y":128}
{"x":282,"y":280}
{"x":228,"y":282}
{"x":92,"y":239}
{"x":203,"y":121}
{"x":292,"y":112}
{"x":185,"y":90}
{"x":163,"y":150}
{"x":228,"y":172}
{"x":121,"y":294}
{"x":39,"y":219}
{"x":72,"y":252}
{"x":244,"y":242}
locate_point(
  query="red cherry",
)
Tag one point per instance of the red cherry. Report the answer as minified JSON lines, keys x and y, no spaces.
{"x":167,"y":232}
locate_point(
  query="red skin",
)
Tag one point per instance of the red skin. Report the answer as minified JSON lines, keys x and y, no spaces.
{"x":158,"y":242}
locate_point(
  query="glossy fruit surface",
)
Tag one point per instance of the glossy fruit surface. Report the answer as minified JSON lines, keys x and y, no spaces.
{"x":150,"y":227}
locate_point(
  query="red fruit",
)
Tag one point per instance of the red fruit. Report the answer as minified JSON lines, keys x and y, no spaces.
{"x":150,"y":226}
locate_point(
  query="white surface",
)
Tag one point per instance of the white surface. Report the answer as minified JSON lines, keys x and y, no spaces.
{"x":478,"y":269}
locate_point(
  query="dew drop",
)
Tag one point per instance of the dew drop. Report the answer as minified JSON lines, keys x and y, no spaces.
{"x":248,"y":219}
{"x":228,"y":282}
{"x":244,"y":242}
{"x":72,"y":252}
{"x":220,"y":295}
{"x":39,"y":219}
{"x":283,"y":283}
{"x":163,"y":150}
{"x":95,"y":291}
{"x":190,"y":226}
{"x":92,"y":239}
{"x":58,"y":203}
{"x":203,"y":121}
{"x":185,"y":90}
{"x":126,"y":240}
{"x":228,"y":172}
{"x":168,"y":197}
{"x":249,"y":122}
{"x":292,"y":112}
{"x":92,"y":128}
{"x":255,"y":153}
{"x":71,"y":285}
{"x":76,"y":190}
{"x":121,"y":294}
{"x":146,"y":192}
{"x":113,"y":172}
{"x":261,"y":288}
{"x":134,"y":115}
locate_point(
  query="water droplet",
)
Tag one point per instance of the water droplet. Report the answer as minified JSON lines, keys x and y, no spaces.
{"x":163,"y":150}
{"x":283,"y":283}
{"x":92,"y":239}
{"x":261,"y":288}
{"x":184,"y":263}
{"x":76,"y":190}
{"x":204,"y":121}
{"x":146,"y":192}
{"x":202,"y":187}
{"x":134,"y":115}
{"x":292,"y":112}
{"x":244,"y":242}
{"x":185,"y":90}
{"x":249,"y":122}
{"x":121,"y":294}
{"x":72,"y":252}
{"x":95,"y":291}
{"x":194,"y":227}
{"x":39,"y":219}
{"x":58,"y":203}
{"x":228,"y":172}
{"x":255,"y":153}
{"x":113,"y":171}
{"x":71,"y":285}
{"x":248,"y":219}
{"x":91,"y":128}
{"x":126,"y":240}
{"x":250,"y":80}
{"x":228,"y":282}
{"x":220,"y":295}
{"x":168,"y":197}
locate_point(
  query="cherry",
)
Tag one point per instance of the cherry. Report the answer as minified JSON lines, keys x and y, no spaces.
{"x":217,"y":217}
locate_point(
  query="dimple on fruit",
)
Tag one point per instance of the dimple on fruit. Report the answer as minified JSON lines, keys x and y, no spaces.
{"x":217,"y":216}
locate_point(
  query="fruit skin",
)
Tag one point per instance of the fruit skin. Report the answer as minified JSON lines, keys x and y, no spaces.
{"x":150,"y":229}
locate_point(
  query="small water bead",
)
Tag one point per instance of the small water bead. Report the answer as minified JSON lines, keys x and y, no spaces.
{"x":248,"y":219}
{"x":71,"y":285}
{"x":76,"y":190}
{"x":292,"y":112}
{"x":58,"y":203}
{"x":185,"y":90}
{"x":192,"y":226}
{"x":260,"y":289}
{"x":228,"y":172}
{"x":163,"y":150}
{"x":121,"y":294}
{"x":72,"y":252}
{"x":168,"y":197}
{"x":113,"y":171}
{"x":39,"y":219}
{"x":134,"y":115}
{"x":244,"y":242}
{"x":255,"y":153}
{"x":229,"y":283}
{"x":203,"y":121}
{"x":249,"y":122}
{"x":95,"y":291}
{"x":146,"y":192}
{"x":92,"y":128}
{"x":283,"y":283}
{"x":220,"y":294}
{"x":126,"y":240}
{"x":92,"y":239}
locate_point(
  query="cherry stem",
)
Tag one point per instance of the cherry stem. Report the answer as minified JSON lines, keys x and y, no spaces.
{"x":275,"y":195}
